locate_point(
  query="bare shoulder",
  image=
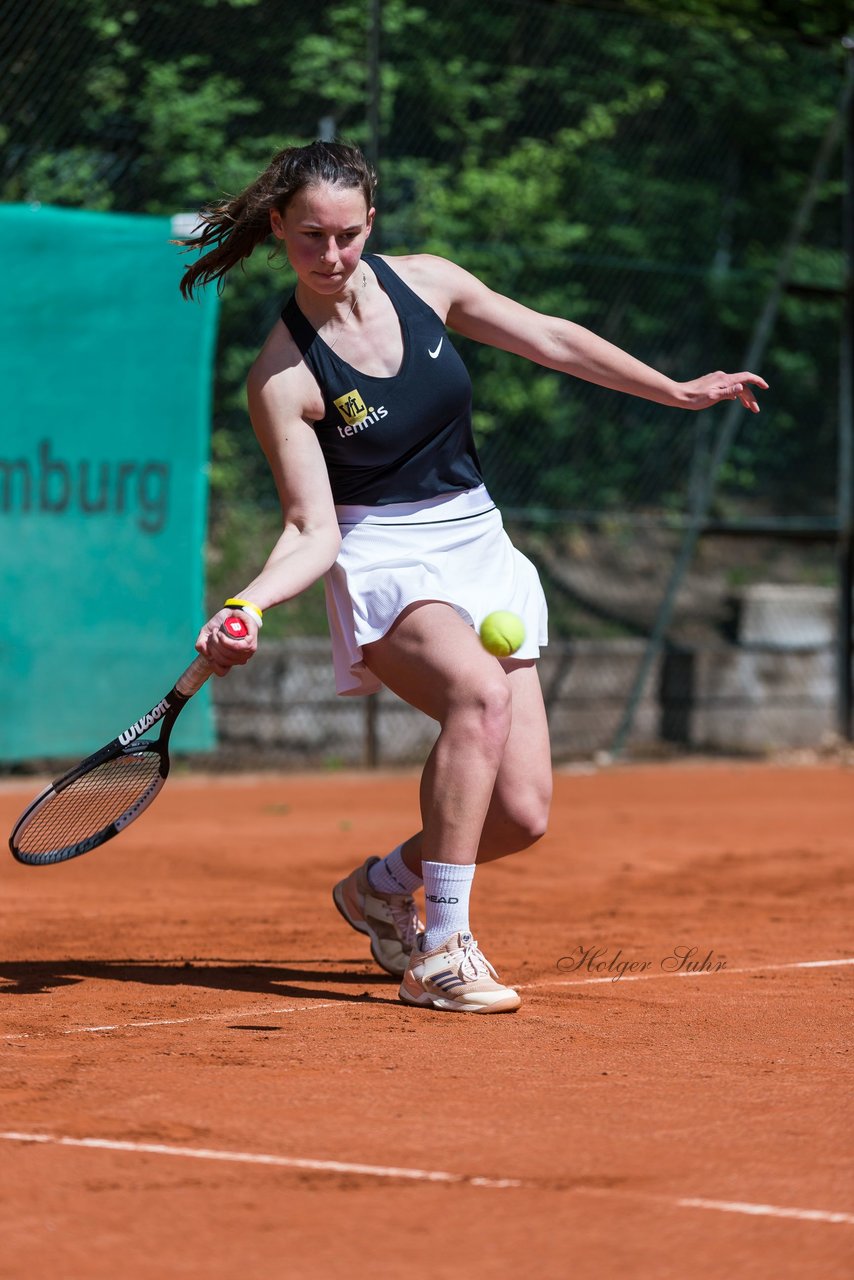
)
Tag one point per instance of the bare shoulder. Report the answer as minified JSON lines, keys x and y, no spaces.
{"x":472,"y":308}
{"x":438,"y":281}
{"x":280,"y":380}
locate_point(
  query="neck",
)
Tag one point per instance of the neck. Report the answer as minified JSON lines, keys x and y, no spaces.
{"x":333,"y":320}
{"x":324,"y":307}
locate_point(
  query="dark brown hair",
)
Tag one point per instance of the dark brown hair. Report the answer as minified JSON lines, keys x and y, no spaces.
{"x":233,"y":229}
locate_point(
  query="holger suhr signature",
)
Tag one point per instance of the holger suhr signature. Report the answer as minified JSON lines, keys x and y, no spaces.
{"x":601,"y":961}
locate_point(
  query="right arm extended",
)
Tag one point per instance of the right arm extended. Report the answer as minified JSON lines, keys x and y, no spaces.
{"x":282,"y":403}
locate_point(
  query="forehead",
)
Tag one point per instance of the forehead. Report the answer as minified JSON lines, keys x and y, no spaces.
{"x":326,"y":205}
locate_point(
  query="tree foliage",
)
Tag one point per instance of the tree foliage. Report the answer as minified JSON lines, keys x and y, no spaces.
{"x":637,"y":175}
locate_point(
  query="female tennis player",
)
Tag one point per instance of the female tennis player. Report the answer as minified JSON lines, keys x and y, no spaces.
{"x":362,"y":407}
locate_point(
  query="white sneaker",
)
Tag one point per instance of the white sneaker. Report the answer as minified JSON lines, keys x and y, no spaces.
{"x":389,"y":919}
{"x":456,"y":977}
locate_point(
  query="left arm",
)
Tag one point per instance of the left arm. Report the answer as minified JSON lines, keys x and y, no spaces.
{"x":479,"y":313}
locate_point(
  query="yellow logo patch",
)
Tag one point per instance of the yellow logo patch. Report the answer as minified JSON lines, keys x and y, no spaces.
{"x":352,"y":407}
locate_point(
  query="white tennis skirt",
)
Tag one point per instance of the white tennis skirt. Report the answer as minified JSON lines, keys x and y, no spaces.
{"x":452,"y":548}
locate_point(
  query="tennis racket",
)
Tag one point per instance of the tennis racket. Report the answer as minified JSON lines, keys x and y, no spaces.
{"x":108,"y":790}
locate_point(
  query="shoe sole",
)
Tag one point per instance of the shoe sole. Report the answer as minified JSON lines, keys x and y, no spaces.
{"x":338,"y":899}
{"x":361,"y":927}
{"x":509,"y":1004}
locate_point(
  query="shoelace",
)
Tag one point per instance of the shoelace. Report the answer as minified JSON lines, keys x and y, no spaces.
{"x":476,"y":960}
{"x":404,"y":913}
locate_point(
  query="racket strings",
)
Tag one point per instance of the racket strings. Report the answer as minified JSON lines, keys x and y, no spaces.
{"x":91,"y":803}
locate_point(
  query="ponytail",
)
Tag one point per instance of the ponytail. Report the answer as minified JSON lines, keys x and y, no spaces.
{"x":233,"y":229}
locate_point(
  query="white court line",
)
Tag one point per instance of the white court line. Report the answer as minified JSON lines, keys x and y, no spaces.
{"x":616,"y":979}
{"x":246,"y":1157}
{"x":768,"y":1210}
{"x":171,"y":1022}
{"x":417,"y":1175}
{"x":528,"y":986}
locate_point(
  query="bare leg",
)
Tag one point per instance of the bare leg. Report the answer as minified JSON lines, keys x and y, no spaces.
{"x":434,"y":660}
{"x":486,"y":787}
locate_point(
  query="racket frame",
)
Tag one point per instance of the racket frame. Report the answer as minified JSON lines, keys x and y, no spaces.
{"x":129,"y":742}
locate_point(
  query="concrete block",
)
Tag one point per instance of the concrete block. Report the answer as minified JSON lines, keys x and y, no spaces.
{"x":743,"y":730}
{"x":282,"y":707}
{"x":781,"y":616}
{"x":758,"y":677}
{"x":749,"y":700}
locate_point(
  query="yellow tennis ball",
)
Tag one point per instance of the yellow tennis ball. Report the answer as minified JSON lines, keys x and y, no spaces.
{"x":502,"y":633}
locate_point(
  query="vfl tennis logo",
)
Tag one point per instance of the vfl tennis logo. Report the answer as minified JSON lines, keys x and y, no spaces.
{"x":352,"y":408}
{"x":140,"y":726}
{"x":356,"y":414}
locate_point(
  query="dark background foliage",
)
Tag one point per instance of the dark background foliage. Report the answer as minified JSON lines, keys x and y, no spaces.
{"x":635,"y":168}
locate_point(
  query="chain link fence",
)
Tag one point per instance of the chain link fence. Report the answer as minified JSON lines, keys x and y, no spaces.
{"x":670,"y":186}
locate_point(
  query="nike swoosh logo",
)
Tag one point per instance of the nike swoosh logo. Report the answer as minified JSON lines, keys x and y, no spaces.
{"x":433,"y":354}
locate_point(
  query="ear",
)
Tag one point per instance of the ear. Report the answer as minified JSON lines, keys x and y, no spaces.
{"x":369,"y":222}
{"x":277,"y":225}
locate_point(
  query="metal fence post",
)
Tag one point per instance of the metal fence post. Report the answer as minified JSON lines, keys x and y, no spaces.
{"x":374,"y":85}
{"x":372,"y":739}
{"x":846,"y":419}
{"x":756,"y":349}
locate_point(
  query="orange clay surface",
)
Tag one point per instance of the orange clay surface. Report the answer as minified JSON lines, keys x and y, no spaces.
{"x":190,"y":992}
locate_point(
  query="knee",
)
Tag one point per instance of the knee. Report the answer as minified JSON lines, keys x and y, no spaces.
{"x":530,"y":813}
{"x":519,"y":821}
{"x":483,"y":709}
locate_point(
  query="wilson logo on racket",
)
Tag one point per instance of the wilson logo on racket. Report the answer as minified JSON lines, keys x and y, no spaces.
{"x":140,"y":726}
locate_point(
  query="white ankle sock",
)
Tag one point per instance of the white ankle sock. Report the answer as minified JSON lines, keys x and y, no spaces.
{"x":392,"y":875}
{"x":447,"y":888}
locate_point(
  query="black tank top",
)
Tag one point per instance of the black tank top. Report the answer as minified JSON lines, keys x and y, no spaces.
{"x":397,"y":439}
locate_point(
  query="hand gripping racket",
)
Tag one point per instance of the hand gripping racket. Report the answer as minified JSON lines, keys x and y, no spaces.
{"x":104,"y":793}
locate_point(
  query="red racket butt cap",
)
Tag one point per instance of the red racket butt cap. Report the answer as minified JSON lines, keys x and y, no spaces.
{"x":236,"y":627}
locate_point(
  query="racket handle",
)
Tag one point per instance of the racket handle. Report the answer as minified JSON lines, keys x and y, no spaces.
{"x":194,"y":677}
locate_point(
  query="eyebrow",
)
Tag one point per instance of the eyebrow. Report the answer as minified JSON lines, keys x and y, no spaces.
{"x":317,"y":226}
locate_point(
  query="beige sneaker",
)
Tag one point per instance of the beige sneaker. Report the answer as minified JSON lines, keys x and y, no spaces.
{"x":456,"y":977}
{"x":390,"y":920}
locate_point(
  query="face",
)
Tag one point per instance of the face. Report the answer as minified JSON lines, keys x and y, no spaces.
{"x":324,"y":229}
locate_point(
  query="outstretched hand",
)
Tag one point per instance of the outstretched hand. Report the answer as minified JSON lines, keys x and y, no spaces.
{"x":704,"y":392}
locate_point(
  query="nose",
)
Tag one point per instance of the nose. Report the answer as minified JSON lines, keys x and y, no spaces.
{"x":330,"y":251}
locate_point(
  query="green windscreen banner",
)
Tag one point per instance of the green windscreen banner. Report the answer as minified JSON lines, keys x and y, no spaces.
{"x":105,"y":389}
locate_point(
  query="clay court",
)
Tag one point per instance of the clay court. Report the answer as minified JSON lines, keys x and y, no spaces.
{"x":204,"y":1075}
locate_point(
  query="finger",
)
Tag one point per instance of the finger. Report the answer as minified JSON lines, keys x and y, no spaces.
{"x":203,"y":641}
{"x":225,"y":655}
{"x":222,"y":663}
{"x":234,"y":643}
{"x":753,"y":378}
{"x":225,"y":652}
{"x":219,"y":664}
